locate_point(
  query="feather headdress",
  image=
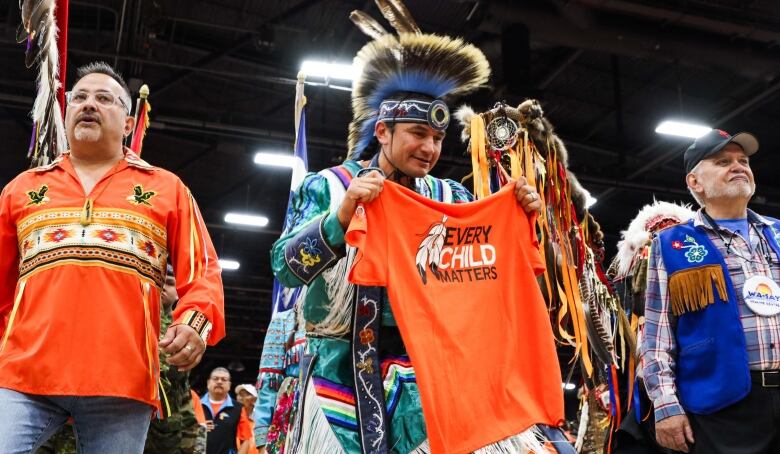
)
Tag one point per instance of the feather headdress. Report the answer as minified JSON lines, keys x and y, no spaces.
{"x":39,"y":29}
{"x":433,"y":65}
{"x":649,"y":220}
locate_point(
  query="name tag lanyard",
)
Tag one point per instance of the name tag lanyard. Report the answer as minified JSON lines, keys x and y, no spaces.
{"x":747,"y":263}
{"x":760,"y":292}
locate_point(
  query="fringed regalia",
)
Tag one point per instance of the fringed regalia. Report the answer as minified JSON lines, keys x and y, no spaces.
{"x":507,"y":142}
{"x":405,"y":78}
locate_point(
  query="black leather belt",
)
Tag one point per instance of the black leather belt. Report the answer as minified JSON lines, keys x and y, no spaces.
{"x":766,"y":378}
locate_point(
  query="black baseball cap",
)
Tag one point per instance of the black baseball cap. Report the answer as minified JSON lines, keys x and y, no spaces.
{"x":714,"y":141}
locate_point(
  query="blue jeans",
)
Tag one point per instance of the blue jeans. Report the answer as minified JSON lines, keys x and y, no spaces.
{"x":101,"y":424}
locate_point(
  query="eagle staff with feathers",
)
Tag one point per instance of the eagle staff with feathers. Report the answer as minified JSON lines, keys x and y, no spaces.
{"x":42,"y":21}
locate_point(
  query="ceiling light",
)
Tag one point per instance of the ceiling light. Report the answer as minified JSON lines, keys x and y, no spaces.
{"x":246,"y":219}
{"x":568,"y":386}
{"x":325,"y":70}
{"x":229,"y":264}
{"x":677,"y":128}
{"x":284,"y":160}
{"x":277,"y":160}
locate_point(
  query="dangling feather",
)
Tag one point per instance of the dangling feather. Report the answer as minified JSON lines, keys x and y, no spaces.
{"x":598,"y":305}
{"x":399,"y":17}
{"x":464,"y":114}
{"x":404,"y":14}
{"x":39,"y":26}
{"x":367,"y":24}
{"x":429,"y":251}
{"x":583,"y":426}
{"x":35,"y":28}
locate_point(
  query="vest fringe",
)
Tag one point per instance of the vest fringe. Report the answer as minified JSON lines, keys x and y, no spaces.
{"x":424,"y":448}
{"x":532,"y":441}
{"x":691,"y":290}
{"x":340,"y":295}
{"x":316,"y":433}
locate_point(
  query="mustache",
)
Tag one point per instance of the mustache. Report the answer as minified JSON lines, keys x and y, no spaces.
{"x":88,"y":117}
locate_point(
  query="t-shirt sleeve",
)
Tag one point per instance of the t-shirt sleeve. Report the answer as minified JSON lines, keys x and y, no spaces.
{"x":530,"y":243}
{"x":244,"y":431}
{"x":370,"y":265}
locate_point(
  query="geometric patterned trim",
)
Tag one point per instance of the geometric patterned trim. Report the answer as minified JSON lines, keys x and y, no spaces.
{"x":337,"y":402}
{"x":308,"y":253}
{"x":116,"y":239}
{"x":197,"y":321}
{"x":90,"y":256}
{"x":114,"y":217}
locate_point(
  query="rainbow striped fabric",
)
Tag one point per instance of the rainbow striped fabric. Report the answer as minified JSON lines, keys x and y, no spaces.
{"x":395,"y":372}
{"x":338,"y":401}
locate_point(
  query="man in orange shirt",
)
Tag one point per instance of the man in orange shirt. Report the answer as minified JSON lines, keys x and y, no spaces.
{"x":84,"y":243}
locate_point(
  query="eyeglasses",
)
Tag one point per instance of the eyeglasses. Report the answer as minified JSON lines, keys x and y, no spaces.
{"x":104,"y":98}
{"x":219,"y":379}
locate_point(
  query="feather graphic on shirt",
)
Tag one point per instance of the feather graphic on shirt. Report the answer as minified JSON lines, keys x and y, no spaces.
{"x":429,"y":251}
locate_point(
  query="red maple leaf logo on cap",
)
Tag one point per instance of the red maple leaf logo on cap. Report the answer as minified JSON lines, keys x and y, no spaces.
{"x":723,"y":133}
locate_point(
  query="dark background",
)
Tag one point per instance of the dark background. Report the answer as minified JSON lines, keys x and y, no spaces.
{"x":222,"y":77}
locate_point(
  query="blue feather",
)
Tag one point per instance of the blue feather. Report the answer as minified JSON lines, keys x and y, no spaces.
{"x":413,"y":81}
{"x":366,"y":134}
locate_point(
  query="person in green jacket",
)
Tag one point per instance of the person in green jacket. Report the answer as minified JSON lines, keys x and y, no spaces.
{"x":399,"y":122}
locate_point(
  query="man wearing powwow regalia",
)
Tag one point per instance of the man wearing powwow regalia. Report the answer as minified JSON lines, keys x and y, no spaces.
{"x":399,"y":121}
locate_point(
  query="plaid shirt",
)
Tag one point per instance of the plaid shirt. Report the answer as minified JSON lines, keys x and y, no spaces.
{"x":659,"y":347}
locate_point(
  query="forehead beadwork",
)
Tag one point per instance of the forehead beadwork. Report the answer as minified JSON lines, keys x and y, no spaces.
{"x":434,"y":113}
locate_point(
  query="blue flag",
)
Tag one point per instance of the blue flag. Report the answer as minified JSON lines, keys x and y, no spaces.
{"x":284,"y":298}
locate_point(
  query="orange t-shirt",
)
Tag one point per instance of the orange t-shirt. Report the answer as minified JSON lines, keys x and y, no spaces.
{"x":461,"y":280}
{"x":245,"y":431}
{"x":215,"y":406}
{"x":199,"y":415}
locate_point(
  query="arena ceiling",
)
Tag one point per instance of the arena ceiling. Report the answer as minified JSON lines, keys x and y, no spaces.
{"x":222,"y":77}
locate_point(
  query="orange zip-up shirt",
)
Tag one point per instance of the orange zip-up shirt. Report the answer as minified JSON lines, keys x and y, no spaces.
{"x":81,"y":274}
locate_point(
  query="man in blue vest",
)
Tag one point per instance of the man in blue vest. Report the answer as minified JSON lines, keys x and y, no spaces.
{"x":711,"y":346}
{"x":226,"y":421}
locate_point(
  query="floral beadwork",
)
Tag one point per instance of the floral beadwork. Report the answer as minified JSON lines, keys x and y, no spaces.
{"x":695,"y":252}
